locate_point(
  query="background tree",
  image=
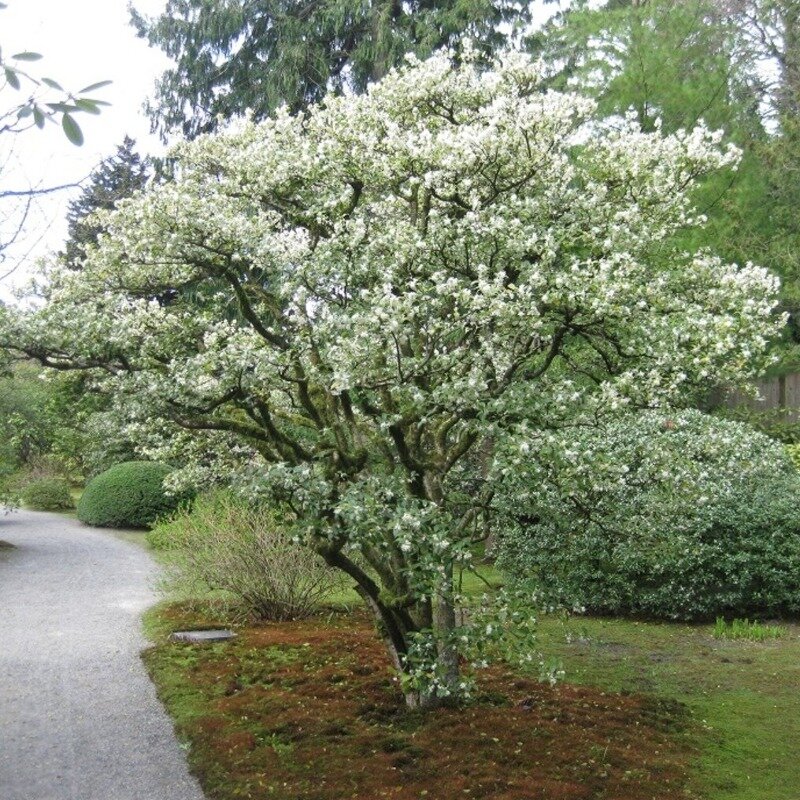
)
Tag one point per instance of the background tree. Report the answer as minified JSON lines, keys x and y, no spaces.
{"x":116,"y":178}
{"x":390,"y":282}
{"x":730,"y":64}
{"x":259,"y":54}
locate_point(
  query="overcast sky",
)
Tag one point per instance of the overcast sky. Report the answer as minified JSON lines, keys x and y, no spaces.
{"x":83,"y":42}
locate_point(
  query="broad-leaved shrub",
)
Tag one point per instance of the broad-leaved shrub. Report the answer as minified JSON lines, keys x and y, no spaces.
{"x":675,"y":515}
{"x":48,"y":494}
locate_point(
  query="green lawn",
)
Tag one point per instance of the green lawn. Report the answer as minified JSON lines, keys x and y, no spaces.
{"x":744,"y":696}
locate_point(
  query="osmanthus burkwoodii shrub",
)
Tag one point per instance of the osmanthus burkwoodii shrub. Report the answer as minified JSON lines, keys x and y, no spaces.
{"x":676,"y":515}
{"x":365,"y":298}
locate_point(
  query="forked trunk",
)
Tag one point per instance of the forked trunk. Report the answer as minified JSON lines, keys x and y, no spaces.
{"x":398,"y":627}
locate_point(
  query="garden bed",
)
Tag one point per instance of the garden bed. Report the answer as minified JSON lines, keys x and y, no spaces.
{"x":309,"y":710}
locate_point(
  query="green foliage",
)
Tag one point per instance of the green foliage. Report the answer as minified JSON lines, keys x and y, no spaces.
{"x":793,"y":451}
{"x":48,"y":494}
{"x":257,"y":56}
{"x":777,"y":423}
{"x":683,"y":517}
{"x":55,"y":425}
{"x":129,"y":495}
{"x":744,"y":629}
{"x":674,"y":63}
{"x":223,"y":544}
{"x":26,"y":427}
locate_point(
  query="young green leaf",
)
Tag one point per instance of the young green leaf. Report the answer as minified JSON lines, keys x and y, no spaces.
{"x":89,"y":106}
{"x":63,"y":108}
{"x":38,"y":117}
{"x":27,"y":56}
{"x":53,"y":84}
{"x":72,"y":130}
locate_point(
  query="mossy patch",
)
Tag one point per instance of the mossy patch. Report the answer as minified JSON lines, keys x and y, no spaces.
{"x":743,"y":696}
{"x":309,"y":711}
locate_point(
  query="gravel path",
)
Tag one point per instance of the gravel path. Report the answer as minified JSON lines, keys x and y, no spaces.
{"x":79,"y":719}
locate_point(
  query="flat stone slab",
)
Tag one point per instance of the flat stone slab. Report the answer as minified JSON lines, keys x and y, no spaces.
{"x":202,"y":636}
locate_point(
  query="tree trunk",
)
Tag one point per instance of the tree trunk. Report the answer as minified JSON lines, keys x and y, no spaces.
{"x":444,"y":625}
{"x":397,"y":626}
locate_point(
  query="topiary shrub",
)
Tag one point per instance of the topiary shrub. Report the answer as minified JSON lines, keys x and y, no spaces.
{"x":128,"y":495}
{"x":224,"y":545}
{"x":681,"y":516}
{"x":48,"y":494}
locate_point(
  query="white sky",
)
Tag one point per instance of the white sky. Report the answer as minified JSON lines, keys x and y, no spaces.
{"x":83,"y":42}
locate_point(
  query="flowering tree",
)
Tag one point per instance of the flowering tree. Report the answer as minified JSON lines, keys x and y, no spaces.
{"x":345,"y":310}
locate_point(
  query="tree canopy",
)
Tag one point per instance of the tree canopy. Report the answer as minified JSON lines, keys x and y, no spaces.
{"x":730,"y":63}
{"x":341,"y":310}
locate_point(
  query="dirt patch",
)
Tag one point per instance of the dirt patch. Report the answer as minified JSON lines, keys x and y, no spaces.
{"x":309,"y":711}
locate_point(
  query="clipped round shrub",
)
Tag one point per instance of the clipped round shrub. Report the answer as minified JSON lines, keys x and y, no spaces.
{"x":679,"y":516}
{"x":47,"y":494}
{"x":128,"y":495}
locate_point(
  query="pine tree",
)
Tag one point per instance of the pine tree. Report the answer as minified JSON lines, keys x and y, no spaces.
{"x":259,"y":54}
{"x":115,"y":178}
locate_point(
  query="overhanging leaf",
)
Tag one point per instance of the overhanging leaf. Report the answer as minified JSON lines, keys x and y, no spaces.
{"x":93,"y":86}
{"x":64,"y":108}
{"x":89,"y":106}
{"x":11,"y":77}
{"x":72,"y":130}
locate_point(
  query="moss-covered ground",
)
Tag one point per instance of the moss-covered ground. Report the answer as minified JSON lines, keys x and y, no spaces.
{"x":309,"y":711}
{"x":647,"y":711}
{"x":743,"y":696}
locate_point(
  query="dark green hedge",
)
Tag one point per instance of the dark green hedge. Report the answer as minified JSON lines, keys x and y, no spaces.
{"x":128,"y":495}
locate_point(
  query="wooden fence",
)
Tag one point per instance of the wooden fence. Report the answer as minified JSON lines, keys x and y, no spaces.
{"x":781,"y":393}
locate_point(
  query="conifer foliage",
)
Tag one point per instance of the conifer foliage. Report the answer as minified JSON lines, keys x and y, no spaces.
{"x":259,"y":54}
{"x":115,"y":178}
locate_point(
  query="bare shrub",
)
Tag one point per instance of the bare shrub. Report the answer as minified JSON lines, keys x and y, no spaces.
{"x":223,"y":545}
